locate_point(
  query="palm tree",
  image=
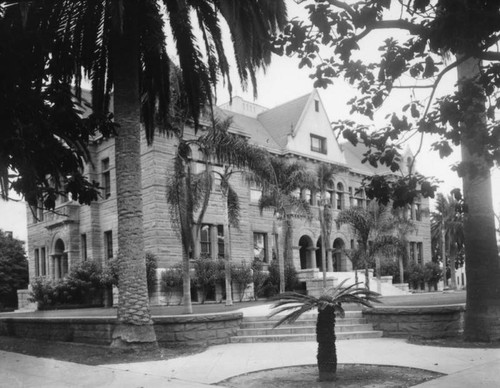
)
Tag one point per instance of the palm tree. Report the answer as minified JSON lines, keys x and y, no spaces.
{"x":329,"y":305}
{"x":188,"y":193}
{"x":280,"y":186}
{"x":373,"y":227}
{"x":120,"y":46}
{"x":447,"y":227}
{"x":324,"y":175}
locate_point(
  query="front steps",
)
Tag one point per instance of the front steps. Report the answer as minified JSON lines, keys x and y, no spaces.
{"x":260,"y":329}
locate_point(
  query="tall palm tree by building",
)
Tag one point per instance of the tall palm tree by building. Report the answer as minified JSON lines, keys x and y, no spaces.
{"x":120,"y":46}
{"x":188,"y":193}
{"x":373,"y":227}
{"x":325,"y":174}
{"x":281,"y":188}
{"x":329,"y":304}
{"x":447,"y":227}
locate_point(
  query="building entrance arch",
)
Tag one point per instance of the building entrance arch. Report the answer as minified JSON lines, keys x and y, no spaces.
{"x":339,"y":264}
{"x":306,"y":252}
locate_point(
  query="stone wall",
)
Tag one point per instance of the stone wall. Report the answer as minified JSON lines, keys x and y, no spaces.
{"x":419,"y":322}
{"x":199,"y":329}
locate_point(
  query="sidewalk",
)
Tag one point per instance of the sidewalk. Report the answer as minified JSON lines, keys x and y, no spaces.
{"x":463,"y":367}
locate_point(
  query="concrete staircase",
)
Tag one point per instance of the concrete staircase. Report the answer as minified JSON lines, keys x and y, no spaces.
{"x":260,"y":329}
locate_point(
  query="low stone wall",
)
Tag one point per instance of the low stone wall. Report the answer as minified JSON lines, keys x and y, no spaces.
{"x":419,"y":322}
{"x":199,"y":329}
{"x":85,"y":330}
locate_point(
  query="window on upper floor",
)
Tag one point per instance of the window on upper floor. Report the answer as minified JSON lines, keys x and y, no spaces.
{"x":106,"y":178}
{"x":418,"y":212}
{"x":340,"y":196}
{"x":318,"y":144}
{"x":316,"y":105}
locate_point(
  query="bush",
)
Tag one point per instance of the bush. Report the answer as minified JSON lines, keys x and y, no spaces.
{"x":171,"y":281}
{"x":432,"y":273}
{"x":415,"y":275}
{"x":151,"y":266}
{"x":109,"y":274}
{"x":83,"y":285}
{"x":390,"y":267}
{"x":271,"y":285}
{"x":207,"y":273}
{"x":259,"y":278}
{"x":241,"y":275}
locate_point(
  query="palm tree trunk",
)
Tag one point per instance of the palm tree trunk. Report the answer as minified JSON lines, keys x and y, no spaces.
{"x":453,"y":256}
{"x":443,"y":253}
{"x":325,"y":336}
{"x":186,"y":284}
{"x":227,"y":250}
{"x":286,"y":252}
{"x":135,"y":325}
{"x":482,"y":265}
{"x":323,"y":250}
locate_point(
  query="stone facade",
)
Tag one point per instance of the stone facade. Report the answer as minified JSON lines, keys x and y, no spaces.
{"x":299,"y":129}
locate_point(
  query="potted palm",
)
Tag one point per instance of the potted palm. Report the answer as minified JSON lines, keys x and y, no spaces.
{"x":329,"y":305}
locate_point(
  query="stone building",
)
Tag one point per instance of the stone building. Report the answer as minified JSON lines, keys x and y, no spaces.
{"x":298,"y":129}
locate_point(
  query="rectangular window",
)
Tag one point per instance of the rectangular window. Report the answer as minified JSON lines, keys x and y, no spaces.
{"x":255,"y":193}
{"x":43,"y":263}
{"x":84,"y":247}
{"x":220,"y":240}
{"x":37,"y":262}
{"x":108,"y":244}
{"x":106,"y":178}
{"x":260,"y":247}
{"x":205,"y":240}
{"x":412,"y":251}
{"x":316,"y":105}
{"x":420,"y":257}
{"x":418,"y":212}
{"x":318,"y":144}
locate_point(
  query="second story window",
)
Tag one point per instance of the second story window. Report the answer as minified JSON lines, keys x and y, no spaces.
{"x":106,"y":178}
{"x":205,"y":243}
{"x":84,"y":246}
{"x":318,"y":144}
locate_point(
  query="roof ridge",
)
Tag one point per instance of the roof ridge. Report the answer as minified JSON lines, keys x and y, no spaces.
{"x":285,"y":103}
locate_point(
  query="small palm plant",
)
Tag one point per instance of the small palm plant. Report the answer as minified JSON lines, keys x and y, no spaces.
{"x":329,"y":305}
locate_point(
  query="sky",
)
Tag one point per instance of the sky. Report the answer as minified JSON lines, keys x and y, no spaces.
{"x":284,"y":81}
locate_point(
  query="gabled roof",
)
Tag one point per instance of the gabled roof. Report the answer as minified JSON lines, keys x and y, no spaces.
{"x":283,"y":119}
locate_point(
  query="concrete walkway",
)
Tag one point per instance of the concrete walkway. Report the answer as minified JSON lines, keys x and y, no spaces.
{"x":463,"y":367}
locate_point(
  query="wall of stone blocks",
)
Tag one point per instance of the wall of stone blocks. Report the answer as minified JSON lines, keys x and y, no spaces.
{"x":418,"y":322}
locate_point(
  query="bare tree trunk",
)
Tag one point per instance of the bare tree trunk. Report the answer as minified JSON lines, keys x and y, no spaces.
{"x":481,"y":252}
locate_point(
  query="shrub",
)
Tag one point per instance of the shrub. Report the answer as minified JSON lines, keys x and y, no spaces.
{"x":259,"y":278}
{"x":271,"y":285}
{"x":242,"y":275}
{"x":432,"y":273}
{"x":109,"y":274}
{"x":390,"y":267}
{"x":151,"y":266}
{"x":171,"y":281}
{"x":415,"y":275}
{"x":207,"y":273}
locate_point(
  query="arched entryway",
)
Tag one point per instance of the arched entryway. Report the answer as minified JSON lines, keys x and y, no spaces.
{"x":59,"y":260}
{"x":319,"y":257}
{"x":338,"y":246}
{"x":306,"y":252}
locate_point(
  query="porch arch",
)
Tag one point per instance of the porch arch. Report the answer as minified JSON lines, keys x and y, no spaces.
{"x":306,"y":251}
{"x":339,"y":259}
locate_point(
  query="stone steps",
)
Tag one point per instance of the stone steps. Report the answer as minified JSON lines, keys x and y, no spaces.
{"x":260,"y":329}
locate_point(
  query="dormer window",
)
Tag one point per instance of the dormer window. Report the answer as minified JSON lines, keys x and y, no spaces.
{"x":318,"y":144}
{"x":316,"y":105}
